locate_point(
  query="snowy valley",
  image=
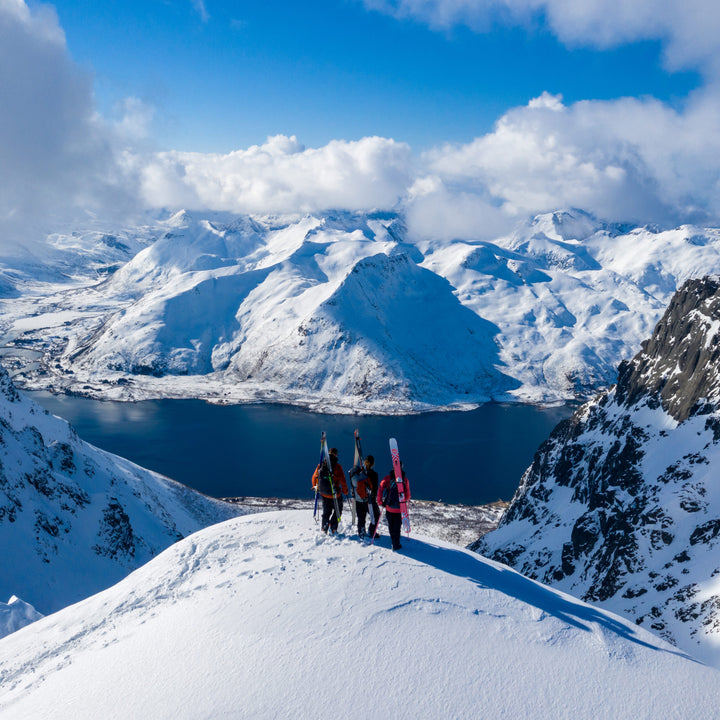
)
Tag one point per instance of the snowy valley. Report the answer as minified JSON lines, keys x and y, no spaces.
{"x":344,"y":311}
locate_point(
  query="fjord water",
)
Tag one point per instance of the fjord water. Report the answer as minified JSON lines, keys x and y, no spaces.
{"x":471,"y":457}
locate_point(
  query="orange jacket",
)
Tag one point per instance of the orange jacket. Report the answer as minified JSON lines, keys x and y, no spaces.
{"x":338,"y":482}
{"x":363,"y":489}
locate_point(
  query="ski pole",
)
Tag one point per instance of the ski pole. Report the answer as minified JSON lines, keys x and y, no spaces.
{"x":377,"y":525}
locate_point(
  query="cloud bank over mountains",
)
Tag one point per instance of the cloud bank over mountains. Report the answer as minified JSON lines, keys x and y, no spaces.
{"x":282,"y":176}
{"x":623,"y":160}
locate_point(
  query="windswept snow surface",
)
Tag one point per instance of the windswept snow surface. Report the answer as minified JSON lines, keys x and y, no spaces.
{"x":260,"y":617}
{"x":346,"y":311}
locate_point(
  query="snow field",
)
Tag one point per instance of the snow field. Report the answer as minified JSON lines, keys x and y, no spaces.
{"x":263,"y":617}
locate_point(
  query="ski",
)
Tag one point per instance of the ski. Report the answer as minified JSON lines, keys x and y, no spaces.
{"x":328,"y":466}
{"x":317,"y":487}
{"x":353,"y":475}
{"x":360,"y":462}
{"x":397,"y":469}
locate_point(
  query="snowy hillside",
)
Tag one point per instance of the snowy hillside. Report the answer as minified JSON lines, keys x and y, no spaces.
{"x":75,"y":519}
{"x":347,"y":311}
{"x":621,"y":505}
{"x":258,"y":617}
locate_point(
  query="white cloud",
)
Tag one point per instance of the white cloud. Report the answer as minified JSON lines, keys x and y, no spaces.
{"x":433,"y":210}
{"x":622,"y":160}
{"x":135,"y":121}
{"x":283,"y":176}
{"x":199,"y":6}
{"x":689,"y":28}
{"x":55,"y":153}
{"x":630,"y":159}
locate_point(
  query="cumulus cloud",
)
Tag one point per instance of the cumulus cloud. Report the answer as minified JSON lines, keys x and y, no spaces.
{"x":690,"y":29}
{"x":436,"y":211}
{"x":55,"y":153}
{"x":283,"y":176}
{"x":627,"y":159}
{"x":622,"y":160}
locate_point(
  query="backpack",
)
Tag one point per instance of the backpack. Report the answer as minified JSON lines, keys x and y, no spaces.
{"x":390,"y":495}
{"x":325,"y":485}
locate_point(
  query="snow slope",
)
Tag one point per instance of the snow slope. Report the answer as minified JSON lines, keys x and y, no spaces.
{"x":258,"y":617}
{"x":75,"y":519}
{"x":347,"y":311}
{"x":621,"y":506}
{"x":16,"y":614}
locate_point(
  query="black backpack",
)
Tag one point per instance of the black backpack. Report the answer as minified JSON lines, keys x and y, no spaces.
{"x":324,"y":480}
{"x":390,"y":495}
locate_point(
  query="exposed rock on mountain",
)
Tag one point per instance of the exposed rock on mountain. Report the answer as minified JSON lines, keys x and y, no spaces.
{"x":621,"y":505}
{"x":75,"y":519}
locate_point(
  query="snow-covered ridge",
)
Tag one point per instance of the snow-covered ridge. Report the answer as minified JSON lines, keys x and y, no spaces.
{"x":75,"y":519}
{"x":345,"y":311}
{"x":14,"y":614}
{"x":258,"y":617}
{"x":621,"y":505}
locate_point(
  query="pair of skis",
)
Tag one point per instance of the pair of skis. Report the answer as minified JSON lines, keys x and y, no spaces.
{"x":359,"y":471}
{"x":400,"y":483}
{"x":325,"y":465}
{"x":397,"y":469}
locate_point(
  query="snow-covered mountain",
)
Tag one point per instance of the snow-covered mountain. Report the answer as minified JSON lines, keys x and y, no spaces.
{"x":258,"y":618}
{"x":621,"y":505}
{"x":75,"y":519}
{"x":346,"y":311}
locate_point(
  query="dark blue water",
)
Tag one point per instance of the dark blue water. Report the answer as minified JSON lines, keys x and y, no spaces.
{"x":271,"y":450}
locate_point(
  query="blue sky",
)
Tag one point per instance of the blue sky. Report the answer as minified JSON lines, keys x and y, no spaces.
{"x":468,"y":116}
{"x":225,"y":75}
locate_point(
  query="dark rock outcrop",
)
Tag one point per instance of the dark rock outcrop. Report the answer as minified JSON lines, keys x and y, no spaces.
{"x":620,"y":505}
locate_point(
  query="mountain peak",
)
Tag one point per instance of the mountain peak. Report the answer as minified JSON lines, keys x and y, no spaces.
{"x":679,"y":366}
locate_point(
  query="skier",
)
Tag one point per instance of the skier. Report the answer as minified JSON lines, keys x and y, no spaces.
{"x":387,"y":496}
{"x":326,"y":484}
{"x":365,"y":482}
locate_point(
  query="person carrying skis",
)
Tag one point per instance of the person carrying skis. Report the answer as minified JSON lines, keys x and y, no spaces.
{"x":322,"y":480}
{"x":387,"y":496}
{"x":365,"y":483}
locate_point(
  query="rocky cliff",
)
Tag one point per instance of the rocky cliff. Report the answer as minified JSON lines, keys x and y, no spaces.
{"x":621,"y":505}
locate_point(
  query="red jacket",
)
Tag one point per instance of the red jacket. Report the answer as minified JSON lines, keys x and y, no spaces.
{"x":338,"y":482}
{"x":386,"y":481}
